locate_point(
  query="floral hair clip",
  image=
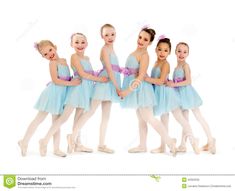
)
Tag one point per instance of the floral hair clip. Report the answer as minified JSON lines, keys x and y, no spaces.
{"x":35,"y":45}
{"x":145,"y":27}
{"x":161,"y":37}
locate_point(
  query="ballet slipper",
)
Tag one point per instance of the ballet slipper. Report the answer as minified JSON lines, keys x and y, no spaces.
{"x":23,"y":148}
{"x":182,"y":149}
{"x":161,"y":149}
{"x":137,"y":150}
{"x":212,"y":146}
{"x":59,"y":153}
{"x":71,"y":144}
{"x":172,"y":147}
{"x":105,"y":149}
{"x":194,"y":144}
{"x":42,"y":148}
{"x":82,"y":148}
{"x":205,"y":147}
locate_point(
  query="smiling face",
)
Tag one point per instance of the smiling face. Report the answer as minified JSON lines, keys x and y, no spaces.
{"x":48,"y":52}
{"x":79,"y":43}
{"x":143,"y":40}
{"x":181,"y":52}
{"x":109,"y":35}
{"x":162,"y":50}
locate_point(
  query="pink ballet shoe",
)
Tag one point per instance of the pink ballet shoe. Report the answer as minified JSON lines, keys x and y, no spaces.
{"x":205,"y":147}
{"x":23,"y":148}
{"x":71,"y":144}
{"x":59,"y":153}
{"x":172,"y":147}
{"x":42,"y":148}
{"x":137,"y":150}
{"x":212,"y":146}
{"x":82,"y":148}
{"x":194,"y":144}
{"x":181,"y":149}
{"x":161,"y":149}
{"x":105,"y":149}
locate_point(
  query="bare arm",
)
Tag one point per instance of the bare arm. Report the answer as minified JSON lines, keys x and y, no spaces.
{"x":108,"y":67}
{"x":58,"y":81}
{"x":75,"y":62}
{"x":164,"y":72}
{"x":144,"y":62}
{"x":187,"y":80}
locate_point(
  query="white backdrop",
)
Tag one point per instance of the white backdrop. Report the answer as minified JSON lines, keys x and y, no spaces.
{"x":207,"y":26}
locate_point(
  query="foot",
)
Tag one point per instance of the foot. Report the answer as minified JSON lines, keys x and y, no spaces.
{"x":205,"y":147}
{"x":181,"y":149}
{"x":137,"y":150}
{"x":161,"y":149}
{"x":194,"y":143}
{"x":71,"y":144}
{"x":81,"y":148}
{"x":42,"y":148}
{"x":212,"y":146}
{"x":105,"y":149}
{"x":23,"y":148}
{"x":172,"y":147}
{"x":59,"y":153}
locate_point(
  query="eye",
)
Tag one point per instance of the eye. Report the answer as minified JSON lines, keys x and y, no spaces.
{"x":145,"y":39}
{"x":140,"y":37}
{"x":106,"y":35}
{"x":113,"y":34}
{"x":45,"y":54}
{"x":185,"y":52}
{"x":50,"y":49}
{"x":159,"y":49}
{"x":166,"y":50}
{"x":179,"y":51}
{"x":76,"y":42}
{"x":83,"y":42}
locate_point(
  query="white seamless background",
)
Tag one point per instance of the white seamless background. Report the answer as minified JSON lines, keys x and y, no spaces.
{"x":207,"y":26}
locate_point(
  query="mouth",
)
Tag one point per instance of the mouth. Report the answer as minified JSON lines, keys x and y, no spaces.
{"x":110,"y":41}
{"x":140,"y":44}
{"x":52,"y":56}
{"x":181,"y":58}
{"x":80,"y":49}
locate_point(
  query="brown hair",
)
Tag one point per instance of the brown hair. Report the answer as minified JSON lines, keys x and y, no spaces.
{"x":151,"y":32}
{"x":104,"y":26}
{"x":165,"y":40}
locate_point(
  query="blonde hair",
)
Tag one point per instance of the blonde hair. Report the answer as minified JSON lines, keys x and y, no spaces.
{"x":42,"y":43}
{"x":104,"y":26}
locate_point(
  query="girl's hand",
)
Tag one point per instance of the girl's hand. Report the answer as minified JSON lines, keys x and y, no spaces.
{"x":104,"y":79}
{"x":170,"y":84}
{"x":123,"y":93}
{"x":75,"y":82}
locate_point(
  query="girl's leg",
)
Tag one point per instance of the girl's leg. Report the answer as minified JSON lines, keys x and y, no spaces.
{"x":147,"y":115}
{"x":54,"y":128}
{"x":78,"y":145}
{"x":80,"y":123}
{"x":39,"y":118}
{"x":165,"y":121}
{"x":182,"y":147}
{"x":210,"y":146}
{"x":143,"y":128}
{"x":187,"y":131}
{"x":56,"y":139}
{"x":106,"y":109}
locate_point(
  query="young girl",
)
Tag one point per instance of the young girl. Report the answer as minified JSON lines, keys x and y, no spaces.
{"x":166,"y":97}
{"x":189,"y":99}
{"x":78,"y":97}
{"x":53,"y":97}
{"x":139,"y":94}
{"x":104,"y":93}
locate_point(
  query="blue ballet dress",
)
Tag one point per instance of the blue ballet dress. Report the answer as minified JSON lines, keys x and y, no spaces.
{"x":53,"y":97}
{"x":80,"y":96}
{"x":189,"y":98}
{"x":142,"y":95}
{"x":166,"y":97}
{"x":107,"y":91}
